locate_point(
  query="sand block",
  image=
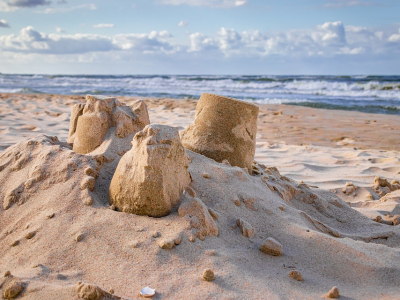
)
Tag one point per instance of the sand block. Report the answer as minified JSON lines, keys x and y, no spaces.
{"x":223,"y":129}
{"x":199,"y":216}
{"x":88,"y":127}
{"x":151,"y":176}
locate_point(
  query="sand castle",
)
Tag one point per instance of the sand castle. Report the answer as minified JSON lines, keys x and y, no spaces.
{"x":90,"y":122}
{"x":223,"y":129}
{"x":150,"y":177}
{"x":124,"y":205}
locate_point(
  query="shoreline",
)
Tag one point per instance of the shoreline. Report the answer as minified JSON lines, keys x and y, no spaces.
{"x":291,"y":124}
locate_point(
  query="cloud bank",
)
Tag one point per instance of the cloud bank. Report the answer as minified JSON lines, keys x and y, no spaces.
{"x":329,"y":41}
{"x":210,"y":3}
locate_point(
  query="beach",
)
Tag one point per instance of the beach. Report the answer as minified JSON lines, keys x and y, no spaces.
{"x":327,"y":203}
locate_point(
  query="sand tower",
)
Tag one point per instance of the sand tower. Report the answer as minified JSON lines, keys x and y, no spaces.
{"x":223,"y":128}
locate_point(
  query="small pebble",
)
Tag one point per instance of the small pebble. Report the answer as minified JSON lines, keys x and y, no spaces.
{"x":210,"y":252}
{"x":205,"y":175}
{"x":7,"y":273}
{"x":178,"y":240}
{"x":13,"y":289}
{"x":246,"y":228}
{"x":155,"y":234}
{"x":111,"y":291}
{"x":134,"y":244}
{"x":15,"y":243}
{"x":333,"y":293}
{"x":50,"y":216}
{"x":208,"y":275}
{"x":30,"y":235}
{"x":271,"y":247}
{"x":296,"y":275}
{"x":166,"y":244}
{"x":236,"y":202}
{"x":79,"y":237}
{"x":112,"y":207}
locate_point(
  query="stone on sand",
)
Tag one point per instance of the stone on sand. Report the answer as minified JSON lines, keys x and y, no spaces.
{"x":223,"y":129}
{"x":245,"y":227}
{"x":271,"y":247}
{"x":208,"y":275}
{"x":333,"y":293}
{"x":296,"y":275}
{"x":151,"y":176}
{"x":93,"y":292}
{"x":12,"y":287}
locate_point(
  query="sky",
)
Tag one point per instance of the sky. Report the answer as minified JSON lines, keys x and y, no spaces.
{"x":230,"y":37}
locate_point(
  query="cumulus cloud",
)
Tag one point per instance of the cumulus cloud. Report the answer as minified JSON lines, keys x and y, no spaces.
{"x":28,"y":3}
{"x":328,"y":40}
{"x":32,"y":41}
{"x":102,"y":25}
{"x":3,"y":23}
{"x":349,"y":3}
{"x":49,"y":10}
{"x":60,"y":30}
{"x":182,"y":24}
{"x":6,"y":8}
{"x":211,"y":3}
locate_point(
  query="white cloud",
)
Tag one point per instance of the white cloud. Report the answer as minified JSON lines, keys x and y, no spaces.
{"x":3,"y":23}
{"x":211,"y":3}
{"x":49,"y":10}
{"x":350,"y":3}
{"x":27,"y":3}
{"x":182,"y":24}
{"x":328,"y":41}
{"x":395,"y":37}
{"x":60,"y":30}
{"x":32,"y":41}
{"x":6,"y":8}
{"x":103,"y":25}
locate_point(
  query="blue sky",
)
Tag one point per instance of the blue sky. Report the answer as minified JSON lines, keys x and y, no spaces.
{"x":200,"y":36}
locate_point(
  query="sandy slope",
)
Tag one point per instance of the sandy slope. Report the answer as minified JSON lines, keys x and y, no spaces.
{"x":330,"y":243}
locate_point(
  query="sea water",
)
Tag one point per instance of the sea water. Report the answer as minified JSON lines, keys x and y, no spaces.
{"x":375,"y":94}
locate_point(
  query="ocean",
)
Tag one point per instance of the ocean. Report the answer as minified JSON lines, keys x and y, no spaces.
{"x":373,"y":94}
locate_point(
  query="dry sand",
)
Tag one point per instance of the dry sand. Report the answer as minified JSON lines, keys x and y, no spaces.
{"x":51,"y":240}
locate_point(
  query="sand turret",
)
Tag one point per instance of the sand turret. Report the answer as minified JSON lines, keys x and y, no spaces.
{"x":223,"y":129}
{"x":90,"y":122}
{"x":151,"y":176}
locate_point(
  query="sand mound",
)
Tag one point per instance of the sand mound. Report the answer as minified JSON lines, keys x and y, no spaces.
{"x":319,"y":233}
{"x":249,"y":232}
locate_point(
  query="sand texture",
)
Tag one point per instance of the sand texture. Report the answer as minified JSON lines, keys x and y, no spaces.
{"x":309,"y":218}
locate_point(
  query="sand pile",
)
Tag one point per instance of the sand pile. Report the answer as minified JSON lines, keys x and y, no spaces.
{"x":257,"y":233}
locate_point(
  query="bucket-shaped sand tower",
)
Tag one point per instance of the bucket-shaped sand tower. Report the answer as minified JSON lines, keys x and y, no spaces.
{"x":223,"y":129}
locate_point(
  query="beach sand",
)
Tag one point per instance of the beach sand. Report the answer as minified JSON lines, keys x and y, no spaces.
{"x":320,"y":205}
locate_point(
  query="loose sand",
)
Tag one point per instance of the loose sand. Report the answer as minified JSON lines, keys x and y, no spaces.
{"x":304,"y":216}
